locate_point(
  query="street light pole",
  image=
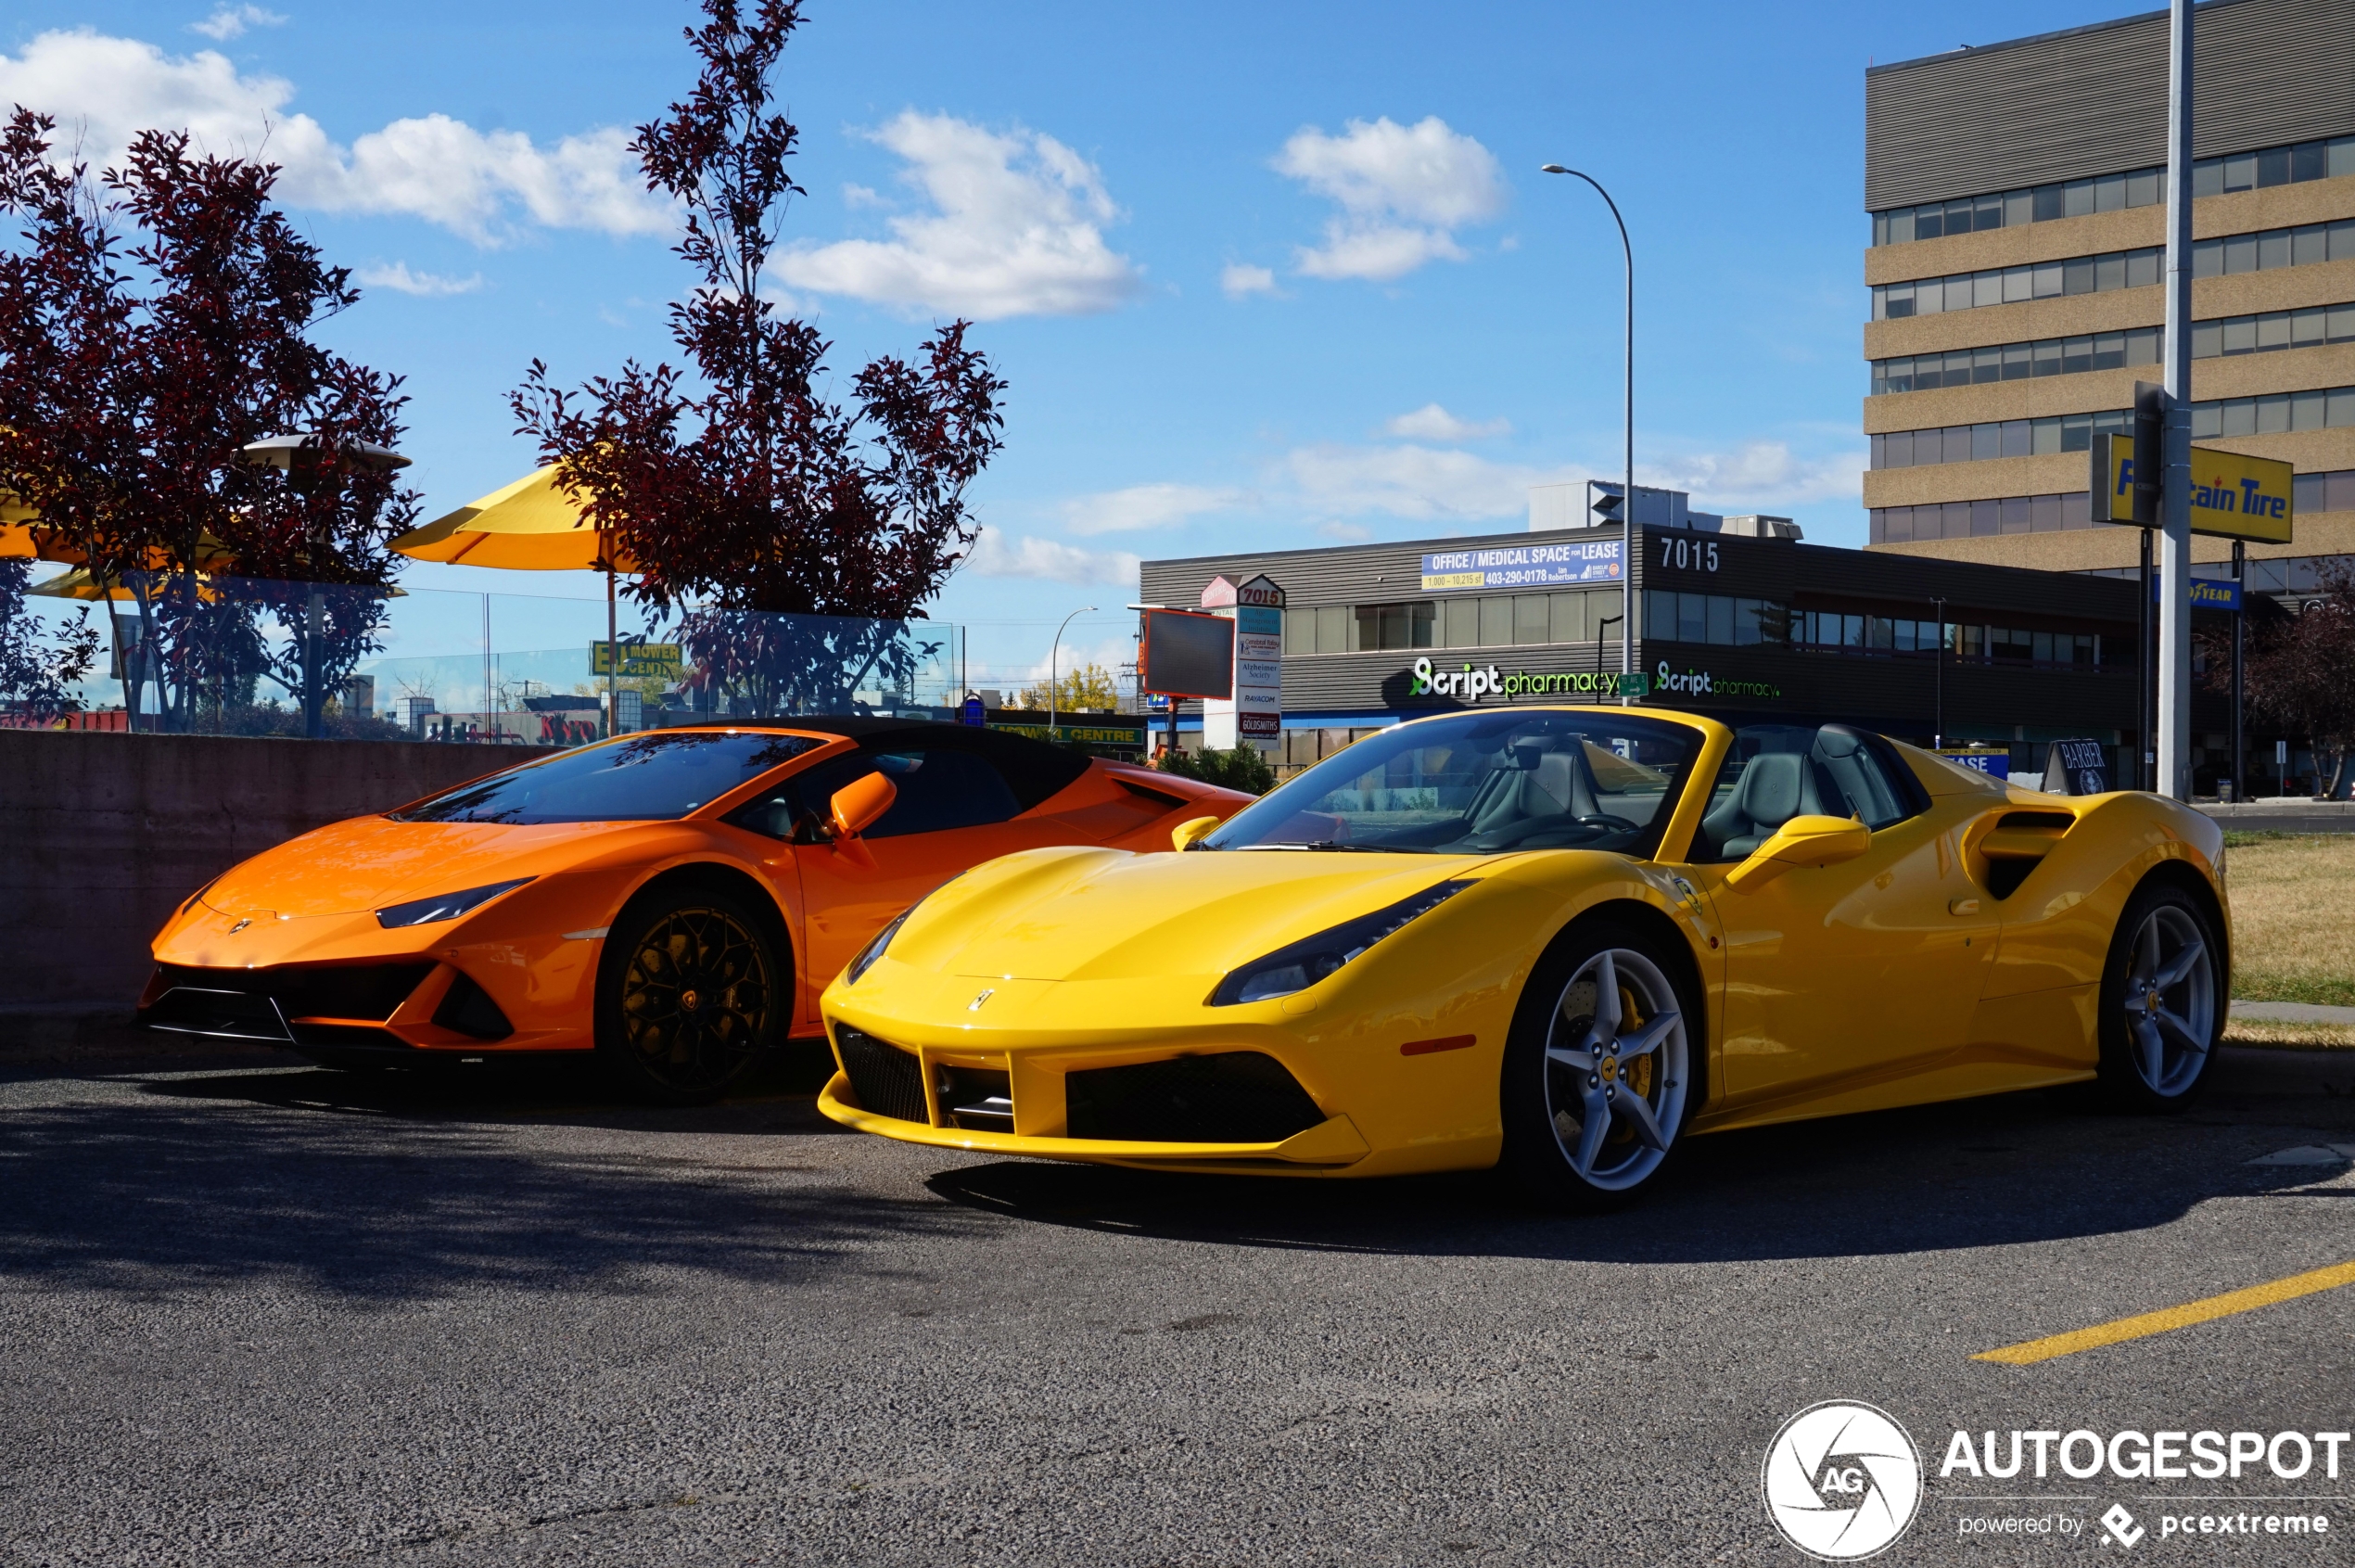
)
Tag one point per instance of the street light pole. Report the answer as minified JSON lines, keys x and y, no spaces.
{"x":1054,"y":648}
{"x":1938,"y":685}
{"x":1627,"y":543}
{"x":2175,"y":713}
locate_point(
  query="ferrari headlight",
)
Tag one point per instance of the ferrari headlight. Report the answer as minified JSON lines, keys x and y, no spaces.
{"x":874,"y":950}
{"x":446,"y":906}
{"x":1303,"y":964}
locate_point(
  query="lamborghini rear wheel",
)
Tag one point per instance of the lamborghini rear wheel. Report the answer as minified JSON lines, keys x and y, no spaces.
{"x":690,"y":994}
{"x":1598,"y":1070}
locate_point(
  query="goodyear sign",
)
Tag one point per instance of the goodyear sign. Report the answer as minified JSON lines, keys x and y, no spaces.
{"x":660,"y":659}
{"x":2233,"y":496}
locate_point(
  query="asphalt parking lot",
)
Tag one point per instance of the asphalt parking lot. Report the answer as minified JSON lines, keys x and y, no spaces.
{"x":262,"y":1314}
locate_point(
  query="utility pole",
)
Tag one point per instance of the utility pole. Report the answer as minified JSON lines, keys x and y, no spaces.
{"x":2240,"y":626}
{"x":2175,"y":496}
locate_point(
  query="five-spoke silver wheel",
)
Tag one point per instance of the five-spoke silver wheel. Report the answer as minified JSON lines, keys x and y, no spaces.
{"x":2170,"y":999}
{"x":1616,"y":1069}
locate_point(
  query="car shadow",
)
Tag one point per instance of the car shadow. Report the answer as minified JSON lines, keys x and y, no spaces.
{"x":393,"y":1186}
{"x":2042,"y":1166}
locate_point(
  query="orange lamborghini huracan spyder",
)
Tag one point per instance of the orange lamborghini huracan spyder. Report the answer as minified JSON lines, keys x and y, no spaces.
{"x":675,"y":900}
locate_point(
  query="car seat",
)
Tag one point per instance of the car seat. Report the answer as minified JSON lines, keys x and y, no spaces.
{"x":1559,"y":784}
{"x":1838,"y":751}
{"x":1774,"y":787}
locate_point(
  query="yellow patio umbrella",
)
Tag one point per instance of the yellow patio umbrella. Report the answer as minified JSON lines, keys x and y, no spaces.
{"x":531,"y":524}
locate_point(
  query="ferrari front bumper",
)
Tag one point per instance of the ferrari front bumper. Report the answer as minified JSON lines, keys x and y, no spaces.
{"x":1332,"y":1144}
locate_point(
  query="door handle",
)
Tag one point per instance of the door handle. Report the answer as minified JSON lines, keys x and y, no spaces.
{"x":1962,"y":906}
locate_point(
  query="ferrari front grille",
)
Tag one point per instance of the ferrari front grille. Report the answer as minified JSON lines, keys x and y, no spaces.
{"x":887,"y":1080}
{"x":1233,"y":1097}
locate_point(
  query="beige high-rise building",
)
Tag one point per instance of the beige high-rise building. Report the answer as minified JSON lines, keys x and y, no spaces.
{"x":2018,"y":194}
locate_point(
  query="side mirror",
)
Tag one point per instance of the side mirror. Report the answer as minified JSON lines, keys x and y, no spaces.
{"x":1185,"y":832}
{"x":1803,"y":841}
{"x":857,"y":805}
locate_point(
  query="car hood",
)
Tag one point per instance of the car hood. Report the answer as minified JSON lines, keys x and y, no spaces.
{"x":371,"y":861}
{"x":1104,"y":914}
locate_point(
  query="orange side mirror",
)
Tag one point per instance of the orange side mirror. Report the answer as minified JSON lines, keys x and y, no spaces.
{"x":859,"y":805}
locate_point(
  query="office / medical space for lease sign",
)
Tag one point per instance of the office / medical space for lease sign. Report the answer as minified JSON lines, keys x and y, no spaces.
{"x":1522,"y":566}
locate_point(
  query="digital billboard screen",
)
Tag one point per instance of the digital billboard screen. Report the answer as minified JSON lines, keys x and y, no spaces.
{"x":1188,"y":655}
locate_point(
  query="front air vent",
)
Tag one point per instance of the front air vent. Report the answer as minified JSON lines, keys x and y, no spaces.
{"x":887,"y":1080}
{"x":256,"y":1003}
{"x":467,"y":1008}
{"x":1233,"y":1097}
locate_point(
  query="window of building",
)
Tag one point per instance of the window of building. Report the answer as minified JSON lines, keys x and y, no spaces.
{"x":2111,"y":193}
{"x":1396,"y":626}
{"x":2020,"y":361}
{"x":2010,"y":437}
{"x":2275,"y":414}
{"x":2308,"y":328}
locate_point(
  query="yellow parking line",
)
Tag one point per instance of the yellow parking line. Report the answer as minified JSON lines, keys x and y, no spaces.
{"x":2173,"y":1317}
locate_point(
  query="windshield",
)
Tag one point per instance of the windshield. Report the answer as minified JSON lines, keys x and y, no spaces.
{"x":653,"y":777}
{"x":1475,"y":783}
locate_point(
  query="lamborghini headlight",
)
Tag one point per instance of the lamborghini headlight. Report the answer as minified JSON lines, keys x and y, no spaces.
{"x":446,"y":906}
{"x":1303,"y":964}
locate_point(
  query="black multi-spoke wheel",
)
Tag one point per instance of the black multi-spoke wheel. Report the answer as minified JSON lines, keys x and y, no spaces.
{"x":2162,"y":1002}
{"x":690,"y":994}
{"x":1599,"y":1074}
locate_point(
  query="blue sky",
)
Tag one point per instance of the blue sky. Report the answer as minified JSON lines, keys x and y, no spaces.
{"x":1259,"y":275}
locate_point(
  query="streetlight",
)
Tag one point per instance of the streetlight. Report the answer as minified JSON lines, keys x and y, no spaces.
{"x":1053,"y":649}
{"x":308,"y":462}
{"x":1627,"y":546}
{"x":1938,"y":680}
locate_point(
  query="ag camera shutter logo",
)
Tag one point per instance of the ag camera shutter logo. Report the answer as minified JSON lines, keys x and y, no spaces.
{"x":1841,"y":1479}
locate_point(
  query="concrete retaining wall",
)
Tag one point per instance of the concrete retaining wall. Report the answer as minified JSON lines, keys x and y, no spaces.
{"x":101,"y":835}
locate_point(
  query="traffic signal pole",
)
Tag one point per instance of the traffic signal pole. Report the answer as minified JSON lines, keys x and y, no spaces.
{"x":2175,"y":496}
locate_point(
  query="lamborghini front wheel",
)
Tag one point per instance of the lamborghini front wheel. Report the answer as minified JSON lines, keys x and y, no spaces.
{"x":690,"y":993}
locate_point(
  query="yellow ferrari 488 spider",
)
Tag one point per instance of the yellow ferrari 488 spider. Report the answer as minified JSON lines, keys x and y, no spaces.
{"x":1568,"y":939}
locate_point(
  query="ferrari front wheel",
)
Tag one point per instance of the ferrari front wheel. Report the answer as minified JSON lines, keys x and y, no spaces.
{"x":1598,"y":1070}
{"x":2162,"y":1008}
{"x":690,"y":994}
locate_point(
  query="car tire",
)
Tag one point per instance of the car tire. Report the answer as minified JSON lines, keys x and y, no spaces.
{"x":2162,"y":1004}
{"x":692,"y":992}
{"x":1593,"y":1115}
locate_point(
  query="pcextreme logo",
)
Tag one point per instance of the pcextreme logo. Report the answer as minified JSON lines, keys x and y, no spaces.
{"x":1841,"y":1479}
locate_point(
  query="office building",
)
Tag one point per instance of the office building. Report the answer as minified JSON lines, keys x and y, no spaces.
{"x":2017,"y":200}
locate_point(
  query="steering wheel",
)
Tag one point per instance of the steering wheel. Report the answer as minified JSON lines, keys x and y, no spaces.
{"x":1608,"y":821}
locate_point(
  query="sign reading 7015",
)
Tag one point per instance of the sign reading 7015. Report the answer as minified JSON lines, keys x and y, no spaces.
{"x":1689,"y":553}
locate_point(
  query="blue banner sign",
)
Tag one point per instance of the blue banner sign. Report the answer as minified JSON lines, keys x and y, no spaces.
{"x":1997,"y":764}
{"x":2209,"y":592}
{"x":1522,"y":566}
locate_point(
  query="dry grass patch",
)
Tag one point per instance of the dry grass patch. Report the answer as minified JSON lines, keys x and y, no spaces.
{"x":2291,"y":1037}
{"x":2293,"y":918}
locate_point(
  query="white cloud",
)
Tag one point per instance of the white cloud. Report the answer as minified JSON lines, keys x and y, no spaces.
{"x":862,"y":196}
{"x":401,"y":280}
{"x":998,"y":553}
{"x":1146,"y":506}
{"x":1421,"y":482}
{"x":1346,"y":533}
{"x":1761,"y":474}
{"x":1015,"y":230}
{"x":1432,"y":423}
{"x":1239,"y":280}
{"x":1402,"y":191}
{"x":106,"y":90}
{"x":231,"y":21}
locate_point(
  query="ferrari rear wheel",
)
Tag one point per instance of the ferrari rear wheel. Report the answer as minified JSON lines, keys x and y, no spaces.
{"x":2162,"y":1008}
{"x":689,"y":995}
{"x":1598,"y":1073}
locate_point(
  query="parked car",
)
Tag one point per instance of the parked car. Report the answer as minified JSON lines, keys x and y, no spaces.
{"x":675,"y":900}
{"x":1567,"y":938}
